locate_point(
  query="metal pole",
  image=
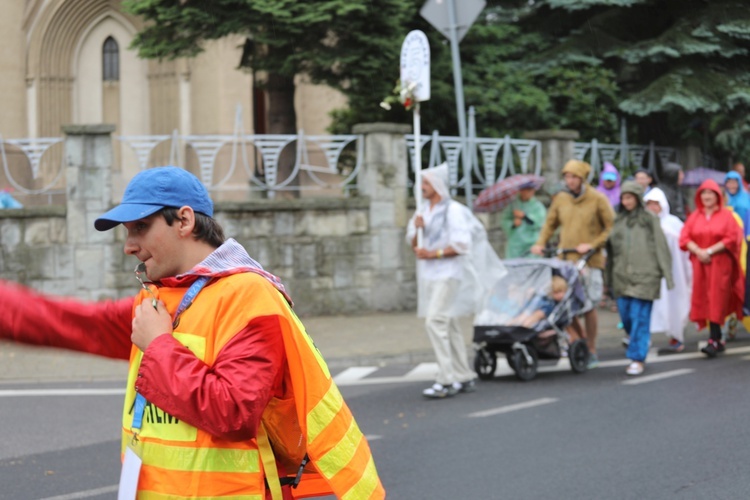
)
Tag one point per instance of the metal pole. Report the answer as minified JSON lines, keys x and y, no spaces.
{"x":418,"y":167}
{"x":460,"y":108}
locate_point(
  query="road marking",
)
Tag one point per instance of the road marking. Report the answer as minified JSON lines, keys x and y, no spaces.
{"x":657,"y":376}
{"x":510,"y":408}
{"x":373,"y":437}
{"x":353,"y":374}
{"x":85,"y":494}
{"x":10,"y":393}
{"x":423,"y":371}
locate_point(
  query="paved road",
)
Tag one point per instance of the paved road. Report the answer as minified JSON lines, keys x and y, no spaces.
{"x":677,"y":432}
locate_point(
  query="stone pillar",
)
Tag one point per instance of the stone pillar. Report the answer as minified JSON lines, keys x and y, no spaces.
{"x":557,"y":148}
{"x":384,"y":180}
{"x":88,"y":173}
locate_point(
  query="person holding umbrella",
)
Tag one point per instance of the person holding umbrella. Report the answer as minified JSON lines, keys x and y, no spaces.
{"x":521,"y":221}
{"x":585,"y":219}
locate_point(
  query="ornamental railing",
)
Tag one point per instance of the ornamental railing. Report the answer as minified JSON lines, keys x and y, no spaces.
{"x":627,"y":157}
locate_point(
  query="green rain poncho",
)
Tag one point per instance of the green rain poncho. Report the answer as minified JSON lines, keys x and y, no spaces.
{"x":520,"y":239}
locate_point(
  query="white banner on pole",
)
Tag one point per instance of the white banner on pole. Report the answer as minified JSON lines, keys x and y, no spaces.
{"x":415,"y":65}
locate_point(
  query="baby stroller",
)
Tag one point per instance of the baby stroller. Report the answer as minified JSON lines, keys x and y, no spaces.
{"x":502,"y":325}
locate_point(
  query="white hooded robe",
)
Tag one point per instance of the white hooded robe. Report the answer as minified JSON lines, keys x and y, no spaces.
{"x":671,"y":311}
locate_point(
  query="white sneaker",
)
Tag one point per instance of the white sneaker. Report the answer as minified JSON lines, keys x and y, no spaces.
{"x":635,"y":368}
{"x":439,"y":391}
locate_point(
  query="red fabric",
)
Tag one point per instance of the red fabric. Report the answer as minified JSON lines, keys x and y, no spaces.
{"x":101,"y":328}
{"x":718,"y":287}
{"x":227,"y":399}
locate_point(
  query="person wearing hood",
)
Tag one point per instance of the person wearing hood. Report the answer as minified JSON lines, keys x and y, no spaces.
{"x":714,"y":239}
{"x":671,"y":311}
{"x":456,"y":267}
{"x":609,"y":184}
{"x":521,"y":222}
{"x":585,"y":219}
{"x":637,"y":259}
{"x":670,"y":183}
{"x":220,"y":366}
{"x":738,"y":198}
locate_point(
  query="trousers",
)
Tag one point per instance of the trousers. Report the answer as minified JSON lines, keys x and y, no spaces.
{"x":445,"y":333}
{"x":636,"y":319}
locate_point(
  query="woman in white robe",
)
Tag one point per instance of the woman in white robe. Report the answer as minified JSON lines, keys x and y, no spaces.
{"x":670,"y":312}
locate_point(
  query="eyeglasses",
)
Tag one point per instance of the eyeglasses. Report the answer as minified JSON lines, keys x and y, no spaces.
{"x":140,"y":271}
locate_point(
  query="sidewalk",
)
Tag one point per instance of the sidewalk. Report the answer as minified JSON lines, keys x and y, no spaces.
{"x":364,"y":340}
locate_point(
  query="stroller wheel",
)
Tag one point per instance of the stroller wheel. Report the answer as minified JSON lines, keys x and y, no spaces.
{"x":485,"y":364}
{"x":578,"y":354}
{"x":524,"y":369}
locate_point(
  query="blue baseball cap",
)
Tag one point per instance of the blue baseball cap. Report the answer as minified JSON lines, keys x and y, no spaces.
{"x":609,"y":176}
{"x":154,"y":189}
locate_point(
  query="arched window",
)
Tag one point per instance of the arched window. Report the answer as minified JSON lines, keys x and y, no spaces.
{"x":110,"y":60}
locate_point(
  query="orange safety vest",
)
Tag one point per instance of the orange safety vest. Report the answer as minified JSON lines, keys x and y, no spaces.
{"x":182,"y":461}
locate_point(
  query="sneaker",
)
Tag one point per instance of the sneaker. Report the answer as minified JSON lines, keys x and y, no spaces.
{"x":711,"y":349}
{"x":593,"y":361}
{"x":466,"y":387}
{"x":635,"y":368}
{"x":675,"y":345}
{"x":439,"y":391}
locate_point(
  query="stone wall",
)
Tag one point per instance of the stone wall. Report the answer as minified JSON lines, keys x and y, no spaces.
{"x":334,"y":255}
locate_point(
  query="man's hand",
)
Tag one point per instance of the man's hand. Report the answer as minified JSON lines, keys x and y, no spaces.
{"x":518,"y":214}
{"x":537,"y":249}
{"x":418,"y":221}
{"x":583,"y":248}
{"x":422,"y":253}
{"x":149,"y":323}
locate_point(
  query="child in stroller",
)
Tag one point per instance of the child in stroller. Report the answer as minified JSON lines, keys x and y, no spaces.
{"x":546,"y":294}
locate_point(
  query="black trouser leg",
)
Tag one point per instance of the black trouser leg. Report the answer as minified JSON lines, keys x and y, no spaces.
{"x":715,"y":332}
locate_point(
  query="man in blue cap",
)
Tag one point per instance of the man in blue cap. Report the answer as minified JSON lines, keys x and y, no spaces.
{"x":208,"y":340}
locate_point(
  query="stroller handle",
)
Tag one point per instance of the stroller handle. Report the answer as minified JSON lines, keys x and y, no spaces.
{"x":551,"y":252}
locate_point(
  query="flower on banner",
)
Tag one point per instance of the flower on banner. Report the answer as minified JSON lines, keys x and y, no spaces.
{"x":403,"y":95}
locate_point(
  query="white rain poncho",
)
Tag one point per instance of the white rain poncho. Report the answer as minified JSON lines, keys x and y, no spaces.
{"x":670,"y":312}
{"x":450,"y":223}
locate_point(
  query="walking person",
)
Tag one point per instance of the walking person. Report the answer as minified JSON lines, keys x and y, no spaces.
{"x":714,"y":239}
{"x":671,"y":311}
{"x":445,"y":265}
{"x":521,"y":222}
{"x":637,"y":259}
{"x":585,"y":219}
{"x":220,"y":366}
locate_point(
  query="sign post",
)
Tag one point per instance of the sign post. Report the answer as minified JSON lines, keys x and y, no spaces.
{"x":415,"y":83}
{"x":454,"y":23}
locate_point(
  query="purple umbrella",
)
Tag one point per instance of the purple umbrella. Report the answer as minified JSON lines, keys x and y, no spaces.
{"x":696,"y":176}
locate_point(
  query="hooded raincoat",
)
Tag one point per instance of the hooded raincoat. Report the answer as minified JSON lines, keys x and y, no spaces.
{"x":740,"y":201}
{"x":670,"y":312}
{"x":613,"y":194}
{"x":719,"y":286}
{"x":637,"y":253}
{"x":450,"y":223}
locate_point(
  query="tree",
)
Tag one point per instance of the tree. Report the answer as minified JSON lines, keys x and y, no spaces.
{"x":680,"y":65}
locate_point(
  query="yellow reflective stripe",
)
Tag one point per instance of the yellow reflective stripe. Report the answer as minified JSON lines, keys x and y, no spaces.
{"x":320,"y":416}
{"x":200,"y":459}
{"x":367,"y":484}
{"x":151,"y":495}
{"x":341,"y":454}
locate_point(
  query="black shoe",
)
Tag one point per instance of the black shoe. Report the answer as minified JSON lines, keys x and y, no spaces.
{"x":470,"y":386}
{"x":710,"y":350}
{"x":720,"y":346}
